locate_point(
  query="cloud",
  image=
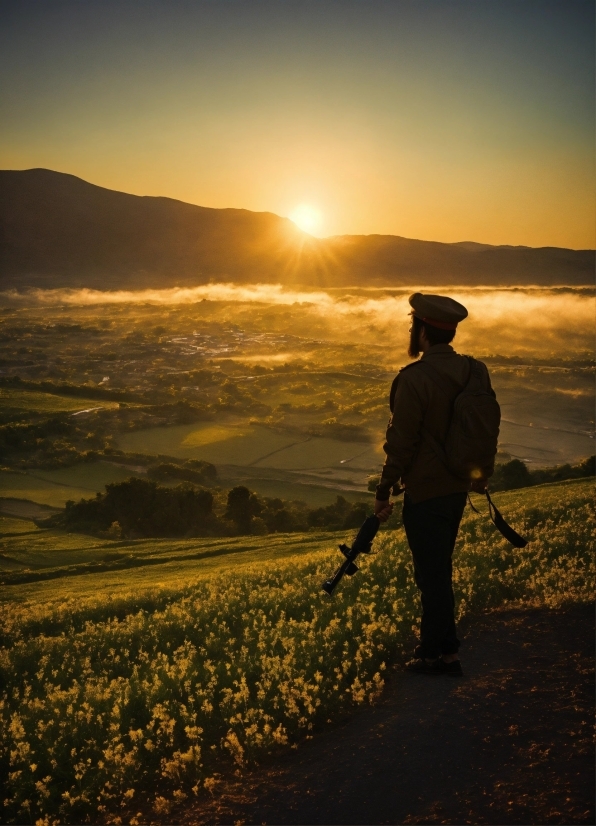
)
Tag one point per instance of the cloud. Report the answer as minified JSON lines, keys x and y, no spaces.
{"x":260,"y":293}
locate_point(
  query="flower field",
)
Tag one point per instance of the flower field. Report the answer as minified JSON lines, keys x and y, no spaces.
{"x":108,"y":705}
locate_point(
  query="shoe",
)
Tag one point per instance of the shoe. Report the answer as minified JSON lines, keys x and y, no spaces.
{"x":439,"y":666}
{"x":419,"y":666}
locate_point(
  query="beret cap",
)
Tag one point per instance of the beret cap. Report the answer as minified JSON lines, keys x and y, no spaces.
{"x":438,"y":310}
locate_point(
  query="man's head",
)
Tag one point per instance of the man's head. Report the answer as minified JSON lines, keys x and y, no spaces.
{"x":434,"y":321}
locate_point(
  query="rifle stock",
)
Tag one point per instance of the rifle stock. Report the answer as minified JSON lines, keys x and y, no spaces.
{"x":361,"y":545}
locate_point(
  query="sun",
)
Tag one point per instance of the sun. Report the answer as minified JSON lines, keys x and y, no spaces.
{"x":307,"y":217}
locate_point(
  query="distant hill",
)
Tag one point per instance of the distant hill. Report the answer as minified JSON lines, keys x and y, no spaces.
{"x":57,"y":230}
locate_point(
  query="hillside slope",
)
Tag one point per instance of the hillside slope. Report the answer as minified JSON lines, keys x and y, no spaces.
{"x":57,"y":230}
{"x":157,"y":679}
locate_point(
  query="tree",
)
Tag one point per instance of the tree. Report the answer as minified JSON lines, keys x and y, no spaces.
{"x":512,"y":475}
{"x":242,"y":506}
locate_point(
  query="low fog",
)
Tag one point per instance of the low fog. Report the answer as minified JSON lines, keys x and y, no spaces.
{"x":535,"y":322}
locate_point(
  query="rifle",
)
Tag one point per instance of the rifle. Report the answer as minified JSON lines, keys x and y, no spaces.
{"x":361,"y":545}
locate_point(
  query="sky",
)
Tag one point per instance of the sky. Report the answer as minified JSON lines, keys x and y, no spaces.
{"x":446,"y":120}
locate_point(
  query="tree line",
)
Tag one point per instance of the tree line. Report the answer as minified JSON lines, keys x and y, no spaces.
{"x":140,"y":508}
{"x":516,"y":474}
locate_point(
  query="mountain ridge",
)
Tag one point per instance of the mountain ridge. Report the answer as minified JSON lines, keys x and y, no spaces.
{"x":57,"y":230}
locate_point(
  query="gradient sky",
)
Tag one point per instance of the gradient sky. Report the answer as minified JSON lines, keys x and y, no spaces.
{"x":447,"y":120}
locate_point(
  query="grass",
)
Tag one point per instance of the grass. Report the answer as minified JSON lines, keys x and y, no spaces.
{"x":82,"y":481}
{"x":315,"y":496}
{"x":320,"y":452}
{"x":98,"y":567}
{"x":89,"y":476}
{"x":222,"y":444}
{"x":141,"y":684}
{"x":11,"y":525}
{"x":21,"y":400}
{"x":215,"y":434}
{"x":56,"y":487}
{"x":15,"y":485}
{"x":243,"y":446}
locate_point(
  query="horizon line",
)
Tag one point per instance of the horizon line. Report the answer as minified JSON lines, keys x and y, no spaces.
{"x":310,"y":235}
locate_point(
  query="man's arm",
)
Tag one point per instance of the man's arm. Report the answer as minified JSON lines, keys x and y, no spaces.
{"x":403,"y":436}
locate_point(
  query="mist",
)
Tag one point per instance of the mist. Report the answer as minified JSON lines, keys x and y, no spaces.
{"x":534,"y":321}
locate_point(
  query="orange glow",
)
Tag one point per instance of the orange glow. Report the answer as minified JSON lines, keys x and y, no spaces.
{"x":307,"y":218}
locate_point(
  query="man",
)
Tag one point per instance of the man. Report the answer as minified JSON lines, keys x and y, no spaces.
{"x":421,"y":405}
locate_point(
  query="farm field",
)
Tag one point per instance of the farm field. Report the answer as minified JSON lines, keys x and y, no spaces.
{"x":22,"y":400}
{"x":541,"y":441}
{"x":91,"y":476}
{"x":227,"y":444}
{"x":55,"y":487}
{"x":20,"y":485}
{"x":148,"y":681}
{"x":10,"y":525}
{"x":265,"y":270}
{"x":253,"y":446}
{"x":311,"y":468}
{"x":316,"y":490}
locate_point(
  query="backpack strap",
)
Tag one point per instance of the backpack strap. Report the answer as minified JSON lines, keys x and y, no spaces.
{"x":471,"y":504}
{"x":500,"y":524}
{"x":506,"y":530}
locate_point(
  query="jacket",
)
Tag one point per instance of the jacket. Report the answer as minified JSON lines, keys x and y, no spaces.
{"x":417,"y":401}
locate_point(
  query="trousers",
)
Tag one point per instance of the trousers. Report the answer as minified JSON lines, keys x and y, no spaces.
{"x":431,"y":529}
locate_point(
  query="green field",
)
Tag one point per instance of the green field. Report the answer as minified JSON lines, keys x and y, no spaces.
{"x":53,"y":563}
{"x":15,"y":485}
{"x":13,"y":400}
{"x":287,"y":486}
{"x":250,"y":445}
{"x":314,"y":469}
{"x":10,"y":525}
{"x":138,"y":684}
{"x":55,"y":487}
{"x":90,"y":476}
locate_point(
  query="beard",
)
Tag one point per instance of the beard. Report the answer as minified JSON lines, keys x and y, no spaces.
{"x":414,"y":345}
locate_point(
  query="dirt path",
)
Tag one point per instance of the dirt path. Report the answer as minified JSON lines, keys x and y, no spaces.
{"x":510,"y":743}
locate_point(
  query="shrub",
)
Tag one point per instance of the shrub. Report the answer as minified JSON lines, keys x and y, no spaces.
{"x":194,"y":470}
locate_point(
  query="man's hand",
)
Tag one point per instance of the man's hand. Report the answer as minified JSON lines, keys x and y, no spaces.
{"x":383,"y":509}
{"x":478,"y":485}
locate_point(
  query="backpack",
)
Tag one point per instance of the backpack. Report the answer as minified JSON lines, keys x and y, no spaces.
{"x":470,"y":446}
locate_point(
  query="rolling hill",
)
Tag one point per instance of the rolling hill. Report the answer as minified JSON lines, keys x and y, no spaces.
{"x":57,"y":230}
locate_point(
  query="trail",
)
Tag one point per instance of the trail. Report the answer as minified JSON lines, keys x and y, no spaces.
{"x":510,"y":743}
{"x":279,"y":450}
